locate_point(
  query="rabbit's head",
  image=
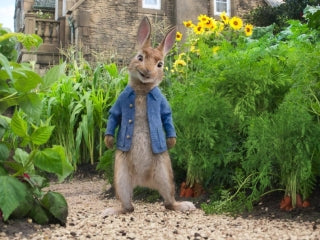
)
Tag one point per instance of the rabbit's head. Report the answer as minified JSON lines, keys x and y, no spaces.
{"x":146,"y":68}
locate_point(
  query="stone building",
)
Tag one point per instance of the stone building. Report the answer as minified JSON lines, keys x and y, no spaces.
{"x":107,"y":28}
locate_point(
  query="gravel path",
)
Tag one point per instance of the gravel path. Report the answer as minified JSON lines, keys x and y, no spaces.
{"x":149,"y":221}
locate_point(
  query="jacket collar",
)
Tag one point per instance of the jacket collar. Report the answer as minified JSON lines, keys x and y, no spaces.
{"x":155,"y":92}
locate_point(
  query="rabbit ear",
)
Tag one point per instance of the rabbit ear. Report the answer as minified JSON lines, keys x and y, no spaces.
{"x":168,"y":41}
{"x":144,"y":31}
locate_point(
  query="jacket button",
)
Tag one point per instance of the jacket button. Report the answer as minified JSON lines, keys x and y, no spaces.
{"x":131,"y":105}
{"x":130,"y":121}
{"x":128,"y":136}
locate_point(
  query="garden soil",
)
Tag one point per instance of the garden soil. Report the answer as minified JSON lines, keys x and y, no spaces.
{"x":86,"y":197}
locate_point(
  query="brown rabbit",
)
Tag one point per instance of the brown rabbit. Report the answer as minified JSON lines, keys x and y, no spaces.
{"x":146,"y":129}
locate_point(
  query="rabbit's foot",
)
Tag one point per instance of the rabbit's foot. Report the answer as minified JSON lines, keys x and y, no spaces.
{"x":181,"y":206}
{"x":115,"y":211}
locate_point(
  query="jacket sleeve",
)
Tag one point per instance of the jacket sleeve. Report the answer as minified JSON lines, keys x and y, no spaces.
{"x":114,"y":118}
{"x":166,"y":118}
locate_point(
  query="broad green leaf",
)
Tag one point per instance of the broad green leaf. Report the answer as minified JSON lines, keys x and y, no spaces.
{"x":25,"y":80}
{"x":41,"y":135}
{"x":4,"y":75}
{"x":8,"y":97}
{"x":54,"y":74}
{"x":17,"y":167}
{"x":39,"y":181}
{"x":31,"y":104}
{"x":24,"y":207}
{"x":53,"y":160}
{"x":18,"y":125}
{"x":21,"y":156}
{"x":3,"y":172}
{"x":29,"y":40}
{"x":6,"y":65}
{"x":38,"y":214}
{"x":56,"y":204}
{"x":12,"y":193}
{"x":4,"y":124}
{"x":4,"y":152}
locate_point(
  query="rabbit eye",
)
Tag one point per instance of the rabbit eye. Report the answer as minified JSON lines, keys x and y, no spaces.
{"x":160,"y":64}
{"x":140,"y":57}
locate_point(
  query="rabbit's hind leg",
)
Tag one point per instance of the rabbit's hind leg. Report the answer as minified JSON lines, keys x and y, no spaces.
{"x":164,"y":183}
{"x":123,"y":186}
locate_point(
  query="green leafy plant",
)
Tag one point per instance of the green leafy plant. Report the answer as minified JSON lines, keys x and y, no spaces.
{"x":312,"y":14}
{"x":278,"y":16}
{"x":232,"y":97}
{"x":78,"y":104}
{"x":23,"y":137}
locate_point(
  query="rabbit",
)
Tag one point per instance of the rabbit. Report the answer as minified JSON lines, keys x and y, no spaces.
{"x":146,"y":129}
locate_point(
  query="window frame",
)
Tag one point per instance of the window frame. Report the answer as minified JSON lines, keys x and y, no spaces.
{"x":228,"y":10}
{"x":157,"y":6}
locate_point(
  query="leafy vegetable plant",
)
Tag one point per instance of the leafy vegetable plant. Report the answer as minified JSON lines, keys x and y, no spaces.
{"x":245,"y":105}
{"x":24,"y":153}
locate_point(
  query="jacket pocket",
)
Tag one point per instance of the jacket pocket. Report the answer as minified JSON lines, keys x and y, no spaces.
{"x":122,"y":137}
{"x":161,"y":139}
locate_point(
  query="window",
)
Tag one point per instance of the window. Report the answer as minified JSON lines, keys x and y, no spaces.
{"x":220,"y":6}
{"x":153,"y":4}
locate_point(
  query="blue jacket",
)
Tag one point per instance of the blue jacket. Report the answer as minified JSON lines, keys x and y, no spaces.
{"x":159,"y":117}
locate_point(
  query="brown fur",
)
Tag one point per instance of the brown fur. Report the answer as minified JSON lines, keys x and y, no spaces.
{"x":140,"y":166}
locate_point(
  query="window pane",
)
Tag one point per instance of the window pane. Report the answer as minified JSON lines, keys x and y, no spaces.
{"x":221,"y":7}
{"x":151,"y":2}
{"x":154,"y":4}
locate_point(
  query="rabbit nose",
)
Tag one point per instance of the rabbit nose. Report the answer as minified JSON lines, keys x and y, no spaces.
{"x":145,"y":73}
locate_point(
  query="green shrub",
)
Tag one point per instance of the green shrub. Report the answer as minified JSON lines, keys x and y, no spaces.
{"x":291,"y":9}
{"x":234,"y":98}
{"x":23,"y":155}
{"x":78,"y":105}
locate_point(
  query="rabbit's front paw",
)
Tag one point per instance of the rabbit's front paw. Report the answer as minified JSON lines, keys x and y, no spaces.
{"x":109,"y":141}
{"x":171,"y":142}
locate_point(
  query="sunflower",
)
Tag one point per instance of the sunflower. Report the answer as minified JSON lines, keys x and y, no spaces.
{"x":235,"y":23}
{"x":178,"y":36}
{"x":210,"y":24}
{"x":248,"y":30}
{"x":188,"y":24}
{"x":203,"y":18}
{"x":198,"y":29}
{"x":224,"y":17}
{"x":178,"y":64}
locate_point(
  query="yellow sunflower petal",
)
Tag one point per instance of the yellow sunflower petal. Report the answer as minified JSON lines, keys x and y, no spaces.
{"x":178,"y":36}
{"x":236,"y":23}
{"x":199,"y":29}
{"x":248,"y":29}
{"x":224,"y":17}
{"x":188,"y":24}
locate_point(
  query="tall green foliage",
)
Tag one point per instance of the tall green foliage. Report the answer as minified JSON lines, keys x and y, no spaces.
{"x":204,"y":120}
{"x":23,"y":136}
{"x":245,"y":106}
{"x":78,"y":105}
{"x":286,"y":140}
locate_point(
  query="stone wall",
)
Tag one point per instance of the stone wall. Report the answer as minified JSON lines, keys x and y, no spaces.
{"x":105,"y":30}
{"x":108,"y":28}
{"x":242,"y":7}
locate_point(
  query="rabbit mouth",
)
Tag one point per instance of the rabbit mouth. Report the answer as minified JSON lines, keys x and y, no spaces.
{"x":144,"y":78}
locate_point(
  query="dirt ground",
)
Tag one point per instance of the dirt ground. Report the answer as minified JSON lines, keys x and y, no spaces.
{"x":86,"y":200}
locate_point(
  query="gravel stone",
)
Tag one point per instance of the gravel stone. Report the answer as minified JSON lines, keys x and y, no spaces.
{"x":149,"y":221}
